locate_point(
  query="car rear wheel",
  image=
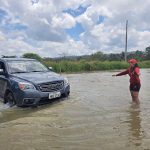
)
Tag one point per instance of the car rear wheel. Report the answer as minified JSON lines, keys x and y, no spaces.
{"x":9,"y":99}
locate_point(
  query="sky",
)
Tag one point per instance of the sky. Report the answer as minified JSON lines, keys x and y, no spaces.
{"x":53,"y":28}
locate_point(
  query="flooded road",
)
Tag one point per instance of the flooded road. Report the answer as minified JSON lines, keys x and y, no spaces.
{"x":98,"y":115}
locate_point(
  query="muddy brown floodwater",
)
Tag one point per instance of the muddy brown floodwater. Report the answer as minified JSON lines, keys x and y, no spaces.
{"x":98,"y":115}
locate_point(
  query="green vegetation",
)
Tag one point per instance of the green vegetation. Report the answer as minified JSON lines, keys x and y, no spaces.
{"x":94,"y":62}
{"x":33,"y":56}
{"x":80,"y":66}
{"x":144,"y":64}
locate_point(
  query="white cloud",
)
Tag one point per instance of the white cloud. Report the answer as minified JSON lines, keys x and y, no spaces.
{"x":55,"y":49}
{"x":2,"y":37}
{"x":15,"y":47}
{"x":110,"y":35}
{"x":46,"y":23}
{"x":65,"y":21}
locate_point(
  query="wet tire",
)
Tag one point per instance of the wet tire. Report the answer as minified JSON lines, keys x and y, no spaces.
{"x":9,"y":99}
{"x":66,"y":94}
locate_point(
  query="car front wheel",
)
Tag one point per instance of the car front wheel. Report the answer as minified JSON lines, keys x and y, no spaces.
{"x":9,"y":99}
{"x":66,"y":94}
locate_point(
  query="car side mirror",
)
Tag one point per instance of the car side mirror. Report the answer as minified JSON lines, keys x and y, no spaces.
{"x":50,"y":68}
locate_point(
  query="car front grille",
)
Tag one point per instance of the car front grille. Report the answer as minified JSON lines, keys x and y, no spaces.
{"x":51,"y":86}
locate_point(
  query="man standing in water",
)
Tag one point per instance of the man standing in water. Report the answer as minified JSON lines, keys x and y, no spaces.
{"x":134,"y":72}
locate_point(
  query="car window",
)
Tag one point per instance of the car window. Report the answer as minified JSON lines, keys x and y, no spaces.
{"x":26,"y":66}
{"x":2,"y":67}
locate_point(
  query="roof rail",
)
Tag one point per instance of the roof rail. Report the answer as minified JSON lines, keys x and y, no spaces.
{"x":3,"y":56}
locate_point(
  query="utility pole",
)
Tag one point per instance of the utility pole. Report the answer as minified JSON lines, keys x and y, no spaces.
{"x":62,"y":56}
{"x":126,"y":40}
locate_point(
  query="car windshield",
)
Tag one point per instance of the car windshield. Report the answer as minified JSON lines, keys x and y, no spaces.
{"x":26,"y":66}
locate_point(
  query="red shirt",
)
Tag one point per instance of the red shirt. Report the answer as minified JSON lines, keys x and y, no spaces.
{"x":134,"y":75}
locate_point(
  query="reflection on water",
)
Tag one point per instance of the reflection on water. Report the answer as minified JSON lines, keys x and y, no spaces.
{"x":136,"y":131}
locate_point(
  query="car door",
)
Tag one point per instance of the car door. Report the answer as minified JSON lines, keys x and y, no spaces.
{"x":3,"y":79}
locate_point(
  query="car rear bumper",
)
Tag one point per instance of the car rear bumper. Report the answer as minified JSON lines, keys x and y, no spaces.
{"x":32,"y":98}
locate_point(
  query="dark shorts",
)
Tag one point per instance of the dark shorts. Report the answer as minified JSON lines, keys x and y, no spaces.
{"x":135,"y":87}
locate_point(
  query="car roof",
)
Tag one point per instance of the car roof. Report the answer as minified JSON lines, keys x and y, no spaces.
{"x":17,"y":59}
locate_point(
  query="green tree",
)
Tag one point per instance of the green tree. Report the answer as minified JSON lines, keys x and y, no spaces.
{"x":32,"y":56}
{"x":148,"y":53}
{"x":98,"y":56}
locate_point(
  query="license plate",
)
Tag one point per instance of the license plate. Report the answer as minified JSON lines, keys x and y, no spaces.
{"x":54,"y":95}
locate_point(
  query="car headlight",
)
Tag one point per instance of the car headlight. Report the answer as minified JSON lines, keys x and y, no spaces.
{"x":25,"y":86}
{"x":66,"y":82}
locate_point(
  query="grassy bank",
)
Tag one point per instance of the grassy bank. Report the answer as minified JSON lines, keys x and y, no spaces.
{"x":81,"y":66}
{"x":94,"y":62}
{"x":144,"y":64}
